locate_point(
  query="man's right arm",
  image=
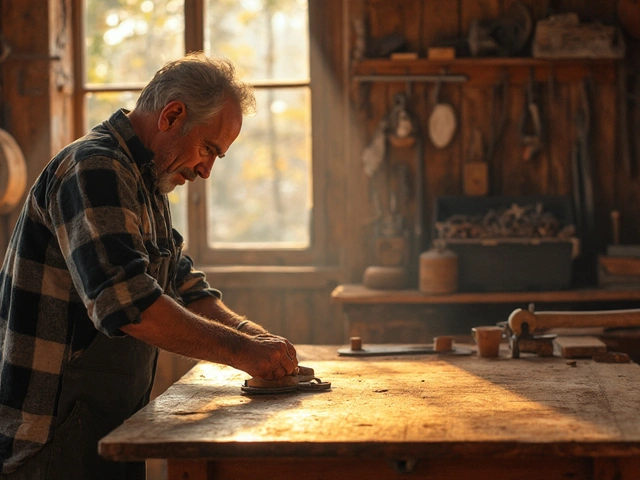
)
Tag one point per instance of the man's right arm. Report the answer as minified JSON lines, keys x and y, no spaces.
{"x":171,"y":327}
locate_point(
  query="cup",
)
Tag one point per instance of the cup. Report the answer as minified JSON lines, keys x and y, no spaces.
{"x":488,"y":339}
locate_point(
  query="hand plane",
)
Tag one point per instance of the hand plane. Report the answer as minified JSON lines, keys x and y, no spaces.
{"x":303,"y":379}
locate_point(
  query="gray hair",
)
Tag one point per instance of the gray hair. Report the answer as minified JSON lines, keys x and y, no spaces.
{"x":202,"y":83}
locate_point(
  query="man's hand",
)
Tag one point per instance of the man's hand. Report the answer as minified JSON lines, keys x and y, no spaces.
{"x":169,"y":326}
{"x":268,"y":356}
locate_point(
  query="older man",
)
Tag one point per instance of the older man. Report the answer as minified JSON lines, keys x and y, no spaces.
{"x":94,"y":282}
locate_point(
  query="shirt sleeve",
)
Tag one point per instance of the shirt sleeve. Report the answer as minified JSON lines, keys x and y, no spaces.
{"x":97,"y":211}
{"x":191,"y":283}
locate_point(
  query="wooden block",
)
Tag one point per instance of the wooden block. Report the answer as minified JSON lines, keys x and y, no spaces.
{"x":356,"y":343}
{"x":563,"y":36}
{"x":404,"y":56}
{"x":441,"y":53}
{"x":443,"y":343}
{"x":475,"y":178}
{"x":612,"y":357}
{"x":631,"y":282}
{"x":579,"y":347}
{"x":620,"y":265}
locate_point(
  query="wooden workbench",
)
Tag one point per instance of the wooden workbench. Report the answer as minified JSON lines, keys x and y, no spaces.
{"x":436,"y":417}
{"x":404,"y":316}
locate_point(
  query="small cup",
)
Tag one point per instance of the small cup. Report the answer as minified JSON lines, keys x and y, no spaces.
{"x":488,"y":339}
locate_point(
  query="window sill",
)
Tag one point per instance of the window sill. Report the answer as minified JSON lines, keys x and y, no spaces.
{"x":273,"y":277}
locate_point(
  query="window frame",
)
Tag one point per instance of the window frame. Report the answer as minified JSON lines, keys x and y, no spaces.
{"x":316,"y":253}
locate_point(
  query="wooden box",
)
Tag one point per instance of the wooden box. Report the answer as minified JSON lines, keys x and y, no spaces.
{"x":563,"y":36}
{"x":510,"y":264}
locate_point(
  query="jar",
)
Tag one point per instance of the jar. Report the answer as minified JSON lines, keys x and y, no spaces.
{"x":438,"y":270}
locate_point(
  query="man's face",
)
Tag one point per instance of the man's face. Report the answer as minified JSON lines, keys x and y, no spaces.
{"x":181,"y":157}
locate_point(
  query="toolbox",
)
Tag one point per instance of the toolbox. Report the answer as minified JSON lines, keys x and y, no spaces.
{"x":510,"y":263}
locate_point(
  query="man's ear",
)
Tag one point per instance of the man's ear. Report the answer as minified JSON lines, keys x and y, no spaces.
{"x":173,"y":115}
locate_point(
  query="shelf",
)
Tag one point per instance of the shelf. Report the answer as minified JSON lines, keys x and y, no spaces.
{"x":491,"y":70}
{"x":358,"y":294}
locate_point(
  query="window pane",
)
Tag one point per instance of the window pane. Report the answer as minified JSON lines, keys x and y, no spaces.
{"x":266,"y":39}
{"x":127,"y":41}
{"x":100,"y":106}
{"x":178,"y":203}
{"x":260,"y":192}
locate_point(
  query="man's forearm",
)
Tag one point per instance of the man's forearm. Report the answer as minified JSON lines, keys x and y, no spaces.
{"x":215,"y":309}
{"x":171,"y":327}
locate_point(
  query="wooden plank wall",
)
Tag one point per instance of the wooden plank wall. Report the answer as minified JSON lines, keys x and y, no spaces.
{"x":422,"y":23}
{"x":35,"y":84}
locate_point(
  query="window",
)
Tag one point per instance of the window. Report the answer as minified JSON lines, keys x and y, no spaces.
{"x":257,"y":208}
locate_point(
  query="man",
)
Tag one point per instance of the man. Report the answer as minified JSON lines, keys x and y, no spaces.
{"x":94,"y":282}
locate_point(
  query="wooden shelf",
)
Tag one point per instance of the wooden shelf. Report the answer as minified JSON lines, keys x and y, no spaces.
{"x":358,"y":294}
{"x":491,"y":70}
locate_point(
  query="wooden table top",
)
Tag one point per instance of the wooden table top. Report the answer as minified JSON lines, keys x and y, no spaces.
{"x":419,"y":405}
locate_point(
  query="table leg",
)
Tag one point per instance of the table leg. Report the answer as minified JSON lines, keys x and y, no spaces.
{"x":616,"y":468}
{"x":180,"y":469}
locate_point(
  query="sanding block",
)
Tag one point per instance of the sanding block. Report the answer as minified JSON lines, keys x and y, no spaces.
{"x":304,"y":380}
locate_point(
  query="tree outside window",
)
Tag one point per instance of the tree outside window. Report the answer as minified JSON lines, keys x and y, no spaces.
{"x":260,"y":195}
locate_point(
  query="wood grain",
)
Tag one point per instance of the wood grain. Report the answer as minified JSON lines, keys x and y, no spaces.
{"x":418,"y":406}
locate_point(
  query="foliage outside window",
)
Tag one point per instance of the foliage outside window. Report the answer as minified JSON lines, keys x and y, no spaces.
{"x":260,"y":195}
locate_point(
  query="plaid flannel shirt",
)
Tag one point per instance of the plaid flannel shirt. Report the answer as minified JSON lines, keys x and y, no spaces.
{"x":87,"y":253}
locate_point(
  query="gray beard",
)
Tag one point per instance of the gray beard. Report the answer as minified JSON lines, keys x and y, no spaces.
{"x":166,"y":183}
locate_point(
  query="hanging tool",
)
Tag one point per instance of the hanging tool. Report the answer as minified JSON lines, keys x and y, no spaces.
{"x":499,"y":95}
{"x":531,"y":131}
{"x":475,"y":169}
{"x":584,"y":181}
{"x":623,"y":122}
{"x":615,"y":227}
{"x":442,"y":123}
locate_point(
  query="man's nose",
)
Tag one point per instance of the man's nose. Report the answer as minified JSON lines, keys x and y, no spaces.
{"x":203,"y":169}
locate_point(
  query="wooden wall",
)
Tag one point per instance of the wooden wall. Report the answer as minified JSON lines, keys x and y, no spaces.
{"x":422,"y":24}
{"x":36,"y":84}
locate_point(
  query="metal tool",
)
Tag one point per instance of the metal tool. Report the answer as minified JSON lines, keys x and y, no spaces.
{"x":356,"y":349}
{"x":530,"y":125}
{"x":524,"y":323}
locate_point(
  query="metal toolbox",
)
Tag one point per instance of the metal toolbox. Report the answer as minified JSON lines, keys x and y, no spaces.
{"x":489,"y":262}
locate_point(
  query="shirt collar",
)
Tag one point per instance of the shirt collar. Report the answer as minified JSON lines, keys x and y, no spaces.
{"x":121,"y":123}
